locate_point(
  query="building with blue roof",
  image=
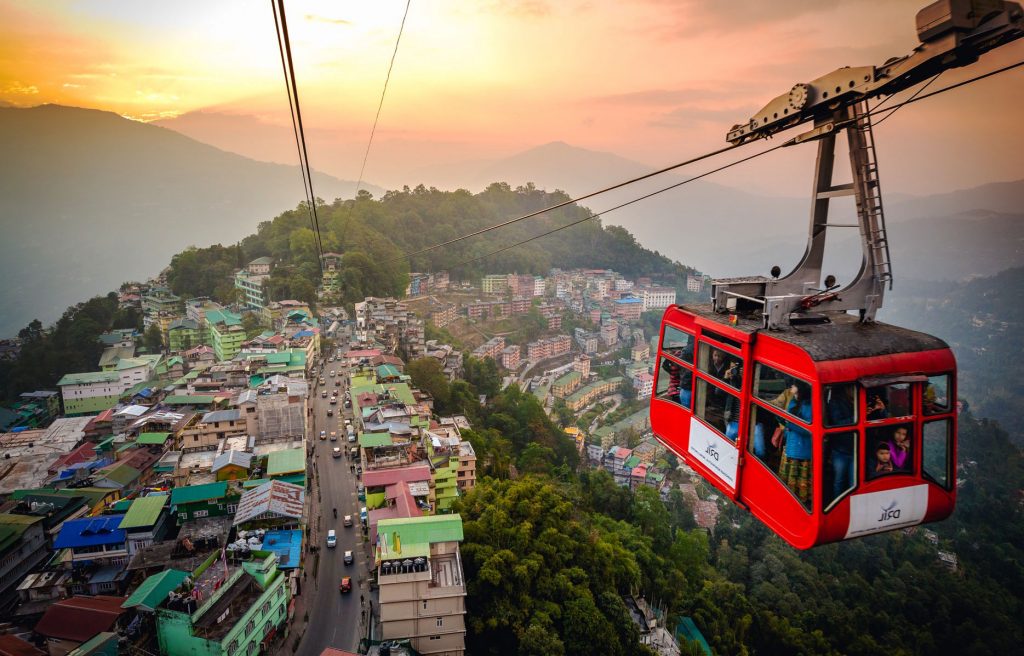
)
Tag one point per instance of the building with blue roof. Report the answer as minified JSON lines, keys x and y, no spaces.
{"x":287,"y":545}
{"x":98,"y":550}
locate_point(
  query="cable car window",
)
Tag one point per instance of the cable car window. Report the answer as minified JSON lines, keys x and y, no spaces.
{"x":935,"y":454}
{"x":675,"y":383}
{"x":722,"y":338}
{"x":839,"y":476}
{"x":781,"y":390}
{"x":840,"y":405}
{"x":887,"y":401}
{"x":678,"y":344}
{"x":718,"y":408}
{"x":935,"y":398}
{"x":784,"y":447}
{"x":891,"y":451}
{"x":724,"y":366}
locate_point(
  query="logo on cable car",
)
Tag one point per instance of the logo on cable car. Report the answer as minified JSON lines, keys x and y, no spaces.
{"x":710,"y":450}
{"x":892,"y":512}
{"x":875,"y":512}
{"x":713,"y":451}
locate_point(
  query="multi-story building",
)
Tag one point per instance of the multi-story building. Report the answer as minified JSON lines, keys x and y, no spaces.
{"x":233,"y":619}
{"x":567,"y":384}
{"x":539,"y":286}
{"x":510,"y":357}
{"x":90,"y":392}
{"x":521,"y":305}
{"x":183,"y":334}
{"x":159,"y":303}
{"x":588,"y":341}
{"x":132,"y":371}
{"x":205,"y":432}
{"x":466,"y":479}
{"x":592,"y":392}
{"x":226,"y":333}
{"x":253,"y":294}
{"x":629,"y":308}
{"x":23,"y":546}
{"x":422,"y":591}
{"x":643,"y":383}
{"x":581,"y":364}
{"x":444,"y":315}
{"x":390,"y":322}
{"x":694,"y":283}
{"x":554,"y":322}
{"x":277,"y":313}
{"x":657,"y":298}
{"x":494,"y":284}
{"x":610,"y":333}
{"x":492,"y":348}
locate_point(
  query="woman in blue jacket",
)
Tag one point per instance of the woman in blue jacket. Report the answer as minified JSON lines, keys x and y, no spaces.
{"x":795,"y":469}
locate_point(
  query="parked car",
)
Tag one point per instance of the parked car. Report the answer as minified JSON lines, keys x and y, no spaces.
{"x":332,"y":540}
{"x":348,"y":557}
{"x":348,"y":520}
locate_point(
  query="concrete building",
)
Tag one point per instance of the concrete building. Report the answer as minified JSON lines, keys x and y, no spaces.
{"x":183,"y":334}
{"x":253,"y":295}
{"x":510,"y":357}
{"x":233,"y":619}
{"x":567,"y":384}
{"x":694,"y":283}
{"x":581,"y":364}
{"x":422,"y":588}
{"x":643,"y":384}
{"x":628,"y":309}
{"x":23,"y":546}
{"x":444,"y":315}
{"x":90,"y":392}
{"x":657,"y":298}
{"x":466,"y":472}
{"x":391,"y":323}
{"x":226,"y":333}
{"x":494,"y":284}
{"x":492,"y":348}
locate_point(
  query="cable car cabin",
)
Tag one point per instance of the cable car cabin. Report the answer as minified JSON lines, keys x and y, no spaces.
{"x":825,"y":432}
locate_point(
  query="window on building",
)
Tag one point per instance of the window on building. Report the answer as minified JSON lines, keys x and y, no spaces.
{"x":249,"y":627}
{"x":232,"y":647}
{"x":440,"y":621}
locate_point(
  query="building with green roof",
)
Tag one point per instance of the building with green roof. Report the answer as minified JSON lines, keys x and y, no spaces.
{"x":418,"y":562}
{"x":184,"y":334}
{"x":145,"y":522}
{"x":153,"y":439}
{"x":90,"y":392}
{"x":207,"y":500}
{"x":153,"y":590}
{"x":567,"y":384}
{"x":225,"y":332}
{"x":285,"y":462}
{"x":23,"y":546}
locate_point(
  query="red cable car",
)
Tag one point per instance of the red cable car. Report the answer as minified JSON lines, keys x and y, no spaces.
{"x":784,"y":393}
{"x":824,"y":432}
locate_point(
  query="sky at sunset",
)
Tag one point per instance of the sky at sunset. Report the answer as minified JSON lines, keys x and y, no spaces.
{"x":654,"y":81}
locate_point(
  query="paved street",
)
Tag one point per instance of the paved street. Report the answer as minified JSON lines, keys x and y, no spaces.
{"x":335,"y":618}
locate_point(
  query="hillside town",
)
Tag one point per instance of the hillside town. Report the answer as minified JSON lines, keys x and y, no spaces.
{"x":191,"y":498}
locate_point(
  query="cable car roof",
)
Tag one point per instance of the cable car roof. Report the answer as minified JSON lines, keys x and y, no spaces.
{"x":844,"y":338}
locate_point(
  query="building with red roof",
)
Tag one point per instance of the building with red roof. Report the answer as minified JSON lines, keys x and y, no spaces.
{"x":71,"y":622}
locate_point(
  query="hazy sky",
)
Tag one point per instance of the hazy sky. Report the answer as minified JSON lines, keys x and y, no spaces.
{"x":654,"y":81}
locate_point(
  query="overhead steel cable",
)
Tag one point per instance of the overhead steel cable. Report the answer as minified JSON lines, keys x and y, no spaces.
{"x":619,"y":206}
{"x":914,"y":95}
{"x":295,"y":128}
{"x":911,"y":100}
{"x":889,"y":110}
{"x":279,"y":13}
{"x":376,"y":119}
{"x":565,"y":203}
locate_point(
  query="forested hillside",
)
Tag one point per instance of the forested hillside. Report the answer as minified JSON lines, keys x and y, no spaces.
{"x":373,"y":235}
{"x":549,"y":554}
{"x":983,"y":320}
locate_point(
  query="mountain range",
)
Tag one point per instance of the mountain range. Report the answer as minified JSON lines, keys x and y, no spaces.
{"x":90,"y":199}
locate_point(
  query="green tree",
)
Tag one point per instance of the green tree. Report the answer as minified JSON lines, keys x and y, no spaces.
{"x":428,"y":376}
{"x":153,"y":338}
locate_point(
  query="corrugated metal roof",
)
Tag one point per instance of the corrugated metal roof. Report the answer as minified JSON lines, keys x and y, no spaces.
{"x":221,"y":415}
{"x":90,"y":377}
{"x":90,"y":532}
{"x":194,"y":493}
{"x":275,"y":498}
{"x":144,"y":512}
{"x":232,"y":457}
{"x":152,"y":438}
{"x":286,"y":461}
{"x":80,"y":618}
{"x":422,"y":530}
{"x":153,"y":590}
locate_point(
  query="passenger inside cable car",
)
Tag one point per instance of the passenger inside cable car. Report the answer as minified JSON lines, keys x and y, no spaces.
{"x":813,"y":437}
